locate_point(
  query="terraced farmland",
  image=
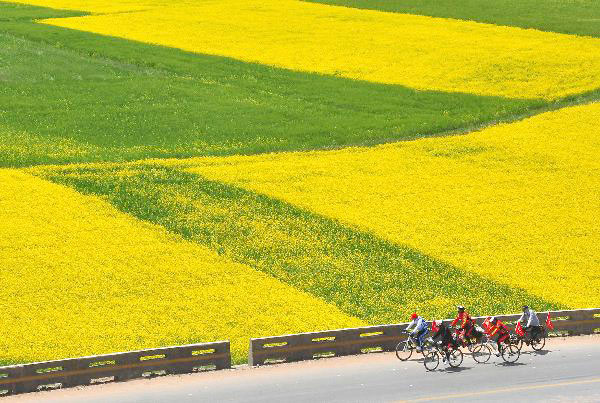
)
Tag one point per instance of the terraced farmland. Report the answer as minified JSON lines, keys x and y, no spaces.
{"x":169,"y":175}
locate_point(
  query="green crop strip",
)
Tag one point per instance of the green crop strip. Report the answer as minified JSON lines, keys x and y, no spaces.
{"x":70,"y":96}
{"x":365,"y":276}
{"x":23,"y":13}
{"x":579,"y":17}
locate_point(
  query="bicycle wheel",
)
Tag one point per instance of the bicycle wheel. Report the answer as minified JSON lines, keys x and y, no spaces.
{"x":538,"y":343}
{"x":431,"y":360}
{"x":428,"y":345}
{"x":404,"y":350}
{"x":519,"y":343}
{"x":510,"y":353}
{"x":481,"y":353}
{"x":456,"y":358}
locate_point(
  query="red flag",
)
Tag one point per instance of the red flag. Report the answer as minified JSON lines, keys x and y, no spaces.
{"x":434,"y":327}
{"x":519,"y":330}
{"x":549,"y":323}
{"x":486,"y":324}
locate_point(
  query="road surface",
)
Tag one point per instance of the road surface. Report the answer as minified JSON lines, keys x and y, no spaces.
{"x":567,"y":370}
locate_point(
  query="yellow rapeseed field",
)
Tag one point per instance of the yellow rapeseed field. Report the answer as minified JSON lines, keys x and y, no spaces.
{"x":95,"y":6}
{"x":78,"y":277}
{"x":518,"y":203}
{"x":416,"y":51}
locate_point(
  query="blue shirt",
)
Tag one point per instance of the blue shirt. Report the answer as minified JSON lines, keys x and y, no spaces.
{"x":419,"y":324}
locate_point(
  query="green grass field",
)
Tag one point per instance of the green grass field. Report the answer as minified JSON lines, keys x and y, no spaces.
{"x":580,"y":17}
{"x":71,"y":96}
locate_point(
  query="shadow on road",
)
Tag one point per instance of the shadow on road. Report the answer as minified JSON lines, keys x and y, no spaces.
{"x":541,"y":352}
{"x":457,"y":369}
{"x":509,"y":364}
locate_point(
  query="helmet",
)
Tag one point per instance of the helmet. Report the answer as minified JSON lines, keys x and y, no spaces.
{"x":460,"y":308}
{"x":525,"y":307}
{"x":414,"y":316}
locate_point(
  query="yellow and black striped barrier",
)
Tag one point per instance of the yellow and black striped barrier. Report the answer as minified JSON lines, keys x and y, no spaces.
{"x":71,"y":372}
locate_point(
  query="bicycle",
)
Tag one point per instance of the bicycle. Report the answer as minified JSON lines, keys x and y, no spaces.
{"x":509,"y":350}
{"x":431,"y":358}
{"x":475,"y":341}
{"x":537,"y":343}
{"x":405,"y":348}
{"x":478,"y":345}
{"x":481,"y":352}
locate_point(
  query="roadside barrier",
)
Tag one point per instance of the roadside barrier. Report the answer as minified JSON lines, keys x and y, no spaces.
{"x":192,"y":358}
{"x":307,"y":346}
{"x":333,"y":343}
{"x":91,"y":370}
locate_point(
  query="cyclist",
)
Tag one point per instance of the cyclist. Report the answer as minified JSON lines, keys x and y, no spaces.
{"x":443,"y":336}
{"x":499,"y":330}
{"x":466,"y":323}
{"x":532,"y":323}
{"x":419,"y":331}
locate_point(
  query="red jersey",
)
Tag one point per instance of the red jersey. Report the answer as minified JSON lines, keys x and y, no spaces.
{"x":464,"y":319}
{"x":499,"y":328}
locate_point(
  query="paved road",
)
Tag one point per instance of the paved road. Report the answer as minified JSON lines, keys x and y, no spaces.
{"x":568,"y":370}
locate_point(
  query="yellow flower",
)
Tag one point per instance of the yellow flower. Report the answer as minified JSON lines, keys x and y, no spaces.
{"x":78,"y":278}
{"x":420,"y":52}
{"x":517,"y":203}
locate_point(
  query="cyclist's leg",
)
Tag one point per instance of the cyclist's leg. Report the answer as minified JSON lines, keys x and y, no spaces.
{"x":462,"y":334}
{"x":422,"y":337}
{"x":504,"y":339}
{"x":471,"y":334}
{"x":413,"y":337}
{"x":418,"y":341}
{"x":499,"y":346}
{"x":468,"y":332}
{"x":476,"y":334}
{"x":446,"y":350}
